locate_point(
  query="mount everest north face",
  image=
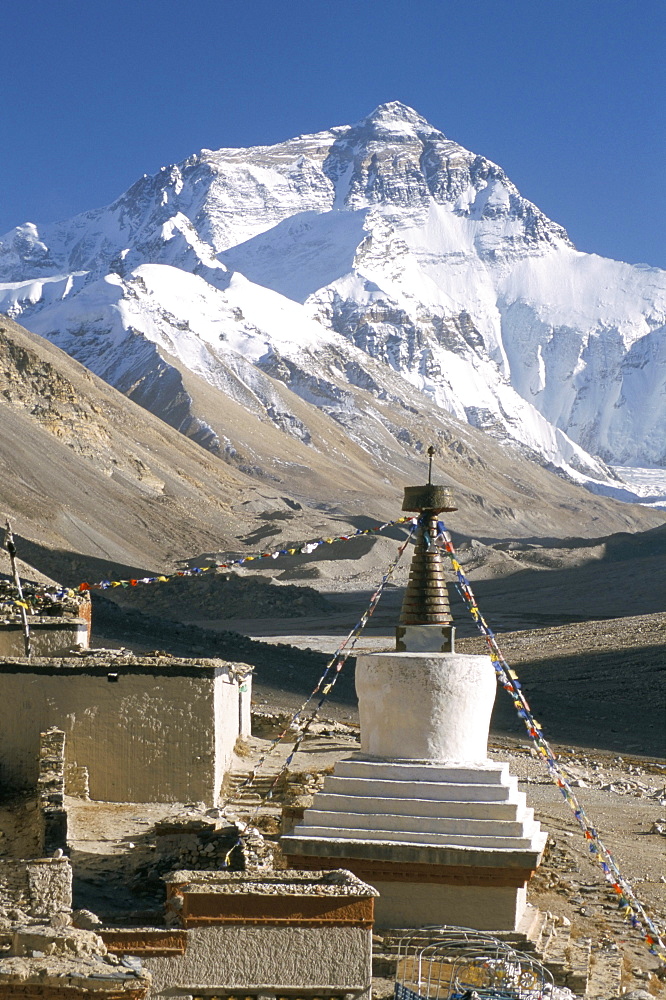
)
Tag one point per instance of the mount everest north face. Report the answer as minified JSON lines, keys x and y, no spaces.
{"x":368,"y":264}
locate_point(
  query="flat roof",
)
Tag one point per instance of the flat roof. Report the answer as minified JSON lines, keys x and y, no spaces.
{"x":100,"y":663}
{"x":59,"y":971}
{"x":286,"y":882}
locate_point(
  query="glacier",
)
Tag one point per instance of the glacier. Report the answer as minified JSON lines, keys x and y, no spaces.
{"x":380,"y":255}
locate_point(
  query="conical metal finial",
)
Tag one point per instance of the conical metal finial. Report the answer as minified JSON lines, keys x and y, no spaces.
{"x":426,"y":623}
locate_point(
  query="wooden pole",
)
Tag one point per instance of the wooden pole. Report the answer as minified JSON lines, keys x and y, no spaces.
{"x":11,"y":549}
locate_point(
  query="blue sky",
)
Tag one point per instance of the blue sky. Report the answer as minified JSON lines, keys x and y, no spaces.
{"x":567,"y":96}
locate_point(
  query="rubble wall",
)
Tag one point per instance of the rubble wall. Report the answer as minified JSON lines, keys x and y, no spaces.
{"x":246,"y":957}
{"x":40,"y":888}
{"x":51,"y":792}
{"x":144,"y":734}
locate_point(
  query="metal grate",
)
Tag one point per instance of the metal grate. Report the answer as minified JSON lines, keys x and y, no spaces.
{"x":459,"y":963}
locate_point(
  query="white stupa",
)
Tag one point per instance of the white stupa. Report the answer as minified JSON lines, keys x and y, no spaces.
{"x":420,"y":812}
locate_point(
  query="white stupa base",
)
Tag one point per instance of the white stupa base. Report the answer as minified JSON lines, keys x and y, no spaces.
{"x":424,"y":904}
{"x":473,"y":807}
{"x":443,"y":842}
{"x":435,"y":706}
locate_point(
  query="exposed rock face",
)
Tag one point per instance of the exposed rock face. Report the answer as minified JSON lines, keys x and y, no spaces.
{"x":98,"y":488}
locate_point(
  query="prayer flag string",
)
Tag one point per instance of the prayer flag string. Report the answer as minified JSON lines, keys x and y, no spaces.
{"x":631,"y":908}
{"x":44,"y":597}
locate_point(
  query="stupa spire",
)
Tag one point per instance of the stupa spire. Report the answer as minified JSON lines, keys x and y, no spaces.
{"x":426,"y":622}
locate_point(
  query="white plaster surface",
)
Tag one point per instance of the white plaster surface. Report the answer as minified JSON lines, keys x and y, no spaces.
{"x":147,"y":737}
{"x":441,"y":789}
{"x":271,"y":956}
{"x":420,"y":807}
{"x":474,"y":806}
{"x":430,"y":837}
{"x":476,"y":829}
{"x":226,"y":709}
{"x":425,"y":706}
{"x":245,"y":694}
{"x":423,"y":791}
{"x":451,"y":773}
{"x":421,"y":904}
{"x":426,"y":812}
{"x":45,"y":640}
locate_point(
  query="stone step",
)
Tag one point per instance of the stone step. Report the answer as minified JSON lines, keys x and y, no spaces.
{"x":556,"y":954}
{"x":533,"y":933}
{"x":417,"y":837}
{"x":249,"y":791}
{"x":418,"y":771}
{"x":568,"y":960}
{"x":370,"y":788}
{"x":605,"y":973}
{"x":441,"y":808}
{"x":368,"y":821}
{"x":235,"y":778}
{"x":578,"y":970}
{"x":236,"y":789}
{"x":384,"y":965}
{"x":389,"y":942}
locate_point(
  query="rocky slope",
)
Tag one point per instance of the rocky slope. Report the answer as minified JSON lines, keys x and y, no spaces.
{"x":96,"y":486}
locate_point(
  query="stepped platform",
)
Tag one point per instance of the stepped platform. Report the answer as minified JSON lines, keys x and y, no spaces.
{"x":452,"y":829}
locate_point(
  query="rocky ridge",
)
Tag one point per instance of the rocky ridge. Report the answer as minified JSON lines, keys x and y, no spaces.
{"x":97,"y":488}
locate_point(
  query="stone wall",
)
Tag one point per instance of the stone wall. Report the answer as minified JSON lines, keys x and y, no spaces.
{"x":197,"y":842}
{"x":77,"y":780}
{"x":51,"y":791}
{"x":39,"y":888}
{"x":151,"y":729}
{"x":45,"y":963}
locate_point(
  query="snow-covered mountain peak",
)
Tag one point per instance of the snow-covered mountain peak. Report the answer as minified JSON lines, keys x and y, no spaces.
{"x":395,"y":119}
{"x":418,"y":254}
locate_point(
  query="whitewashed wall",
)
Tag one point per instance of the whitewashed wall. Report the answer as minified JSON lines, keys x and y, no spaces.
{"x":48,"y":636}
{"x":268,"y":956}
{"x":159,"y":732}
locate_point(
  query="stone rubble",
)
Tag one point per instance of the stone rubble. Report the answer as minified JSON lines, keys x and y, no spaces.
{"x":339,"y":882}
{"x":41,"y":600}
